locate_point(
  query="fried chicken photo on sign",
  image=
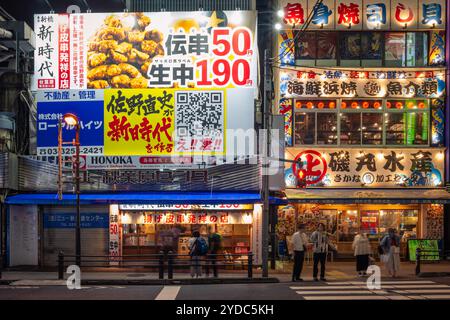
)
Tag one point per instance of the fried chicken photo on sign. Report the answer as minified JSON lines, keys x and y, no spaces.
{"x":121,"y":51}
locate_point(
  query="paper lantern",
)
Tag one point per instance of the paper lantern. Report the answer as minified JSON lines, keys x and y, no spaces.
{"x":399,"y":105}
{"x":354,"y":105}
{"x":309,"y":105}
{"x":332,"y":105}
{"x":388,"y":104}
{"x":344,"y":105}
{"x":377,"y":105}
{"x":365,"y":104}
{"x":421,"y":105}
{"x":320,"y":105}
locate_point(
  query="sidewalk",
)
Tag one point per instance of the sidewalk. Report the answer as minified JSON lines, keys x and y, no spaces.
{"x":336,"y":271}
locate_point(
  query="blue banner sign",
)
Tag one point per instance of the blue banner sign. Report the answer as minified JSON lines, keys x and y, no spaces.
{"x":87,"y":105}
{"x":68,"y":220}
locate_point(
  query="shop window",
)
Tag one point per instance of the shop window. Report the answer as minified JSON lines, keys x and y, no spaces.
{"x":351,"y":128}
{"x":371,"y":49}
{"x":305,"y":125}
{"x":407,"y":122}
{"x":395,"y":128}
{"x":350,"y":49}
{"x":395,"y":48}
{"x":416,"y":49}
{"x":369,"y":222}
{"x":417,"y":128}
{"x":372,"y":128}
{"x":326,"y":48}
{"x":348,"y":225}
{"x":326,"y":128}
{"x":306,"y":46}
{"x":404,"y":221}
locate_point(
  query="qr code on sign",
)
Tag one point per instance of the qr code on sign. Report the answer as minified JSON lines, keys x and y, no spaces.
{"x":199,"y":113}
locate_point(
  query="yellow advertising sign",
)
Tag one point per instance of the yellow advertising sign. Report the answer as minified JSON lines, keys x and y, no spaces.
{"x":163,"y":122}
{"x":139,"y":121}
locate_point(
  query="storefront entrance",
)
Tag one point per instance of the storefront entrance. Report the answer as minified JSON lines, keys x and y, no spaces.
{"x":344,"y":221}
{"x":151,"y":229}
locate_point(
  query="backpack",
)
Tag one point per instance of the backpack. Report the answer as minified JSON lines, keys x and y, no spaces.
{"x":200,"y":247}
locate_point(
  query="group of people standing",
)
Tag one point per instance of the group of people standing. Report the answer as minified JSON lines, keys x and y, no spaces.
{"x":389,"y":250}
{"x":198,"y":247}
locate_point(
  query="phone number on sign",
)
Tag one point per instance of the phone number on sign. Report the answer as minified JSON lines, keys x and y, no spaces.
{"x":52,"y":151}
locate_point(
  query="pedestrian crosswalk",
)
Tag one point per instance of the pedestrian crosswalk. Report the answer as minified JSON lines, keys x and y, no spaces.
{"x":358,"y":290}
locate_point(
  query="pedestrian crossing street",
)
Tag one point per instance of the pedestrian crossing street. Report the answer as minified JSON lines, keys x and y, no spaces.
{"x":358,"y":290}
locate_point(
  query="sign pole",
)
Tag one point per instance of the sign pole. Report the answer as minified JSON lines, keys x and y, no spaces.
{"x":265,"y":164}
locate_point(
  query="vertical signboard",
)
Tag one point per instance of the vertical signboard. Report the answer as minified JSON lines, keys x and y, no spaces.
{"x":376,"y":15}
{"x":323,"y":16}
{"x":46,"y":53}
{"x":349,"y":15}
{"x":404,"y":14}
{"x":114,"y":234}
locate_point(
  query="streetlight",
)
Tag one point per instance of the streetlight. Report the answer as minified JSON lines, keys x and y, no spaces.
{"x":72,"y":120}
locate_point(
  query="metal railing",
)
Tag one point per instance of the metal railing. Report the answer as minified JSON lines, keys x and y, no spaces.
{"x":162,"y":262}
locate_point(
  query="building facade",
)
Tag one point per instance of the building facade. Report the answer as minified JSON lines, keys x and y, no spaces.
{"x":363,"y":87}
{"x":147,"y":182}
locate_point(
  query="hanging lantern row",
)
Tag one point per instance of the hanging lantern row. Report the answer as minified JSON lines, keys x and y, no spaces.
{"x":361,"y":104}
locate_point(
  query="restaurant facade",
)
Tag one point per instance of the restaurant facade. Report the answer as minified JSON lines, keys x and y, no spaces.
{"x":363,"y":89}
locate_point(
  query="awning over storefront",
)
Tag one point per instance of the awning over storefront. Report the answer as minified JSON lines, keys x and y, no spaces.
{"x":372,"y":196}
{"x":140,"y":198}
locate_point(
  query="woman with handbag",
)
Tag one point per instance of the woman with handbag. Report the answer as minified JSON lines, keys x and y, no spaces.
{"x":391,"y":247}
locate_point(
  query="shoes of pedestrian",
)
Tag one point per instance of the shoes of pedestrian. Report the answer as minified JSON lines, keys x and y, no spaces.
{"x":323,"y":279}
{"x":299,"y":279}
{"x":315,"y":279}
{"x":293,"y":280}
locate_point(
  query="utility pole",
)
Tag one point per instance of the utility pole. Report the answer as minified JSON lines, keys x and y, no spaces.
{"x":77,"y":191}
{"x":266,"y":164}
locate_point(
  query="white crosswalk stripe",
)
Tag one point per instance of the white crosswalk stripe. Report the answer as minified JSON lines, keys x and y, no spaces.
{"x":357,"y":290}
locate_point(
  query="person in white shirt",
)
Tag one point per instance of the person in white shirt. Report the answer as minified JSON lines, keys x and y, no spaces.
{"x":299,"y":241}
{"x":361,"y":246}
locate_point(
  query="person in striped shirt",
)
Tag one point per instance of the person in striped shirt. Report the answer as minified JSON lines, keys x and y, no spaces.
{"x":320,"y":241}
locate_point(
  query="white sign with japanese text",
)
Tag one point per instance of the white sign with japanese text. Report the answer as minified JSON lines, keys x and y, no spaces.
{"x":364,"y":14}
{"x":356,"y":168}
{"x":316,"y":83}
{"x":186,"y":207}
{"x":146,"y":50}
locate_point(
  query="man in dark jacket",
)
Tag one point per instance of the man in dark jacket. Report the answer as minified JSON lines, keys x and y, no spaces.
{"x":214,"y":243}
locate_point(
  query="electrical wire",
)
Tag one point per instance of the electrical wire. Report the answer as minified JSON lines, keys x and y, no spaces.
{"x":299,"y":32}
{"x":279,"y":57}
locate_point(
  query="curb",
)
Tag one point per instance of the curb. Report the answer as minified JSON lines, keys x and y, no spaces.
{"x":433,"y":274}
{"x":141,"y":282}
{"x":179,"y":281}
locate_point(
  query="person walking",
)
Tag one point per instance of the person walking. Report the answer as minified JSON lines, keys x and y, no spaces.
{"x":320,"y":241}
{"x":214,"y":244}
{"x":197,"y":248}
{"x":299,"y":242}
{"x":390,"y":245}
{"x":361,"y":247}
